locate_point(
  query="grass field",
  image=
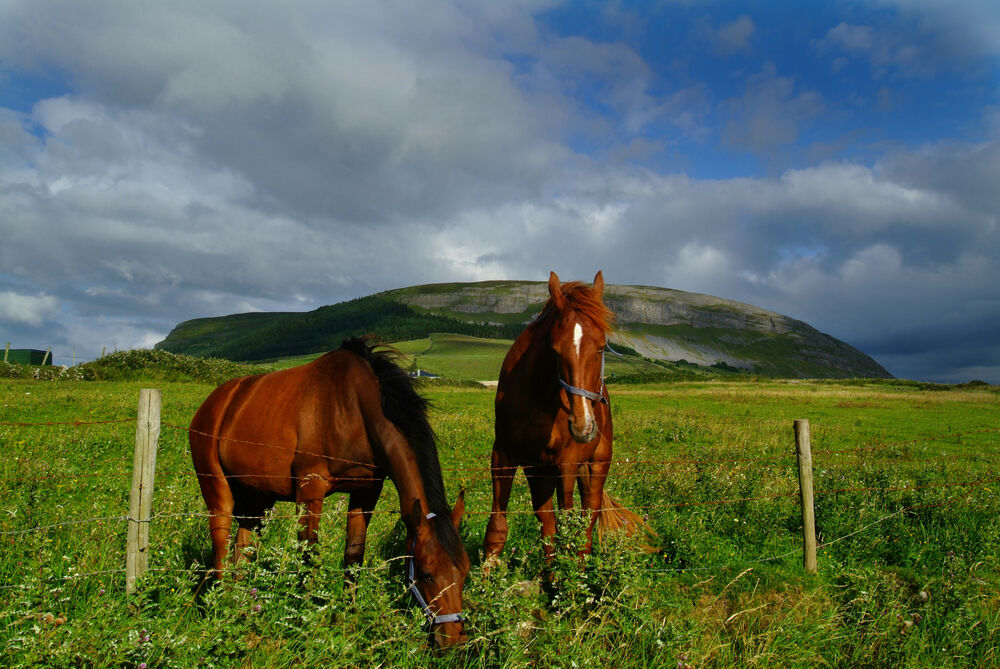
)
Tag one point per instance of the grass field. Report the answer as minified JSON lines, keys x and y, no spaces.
{"x":464,"y":358}
{"x":906,"y":513}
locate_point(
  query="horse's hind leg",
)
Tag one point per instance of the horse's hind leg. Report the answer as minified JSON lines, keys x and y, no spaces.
{"x":502,"y":473}
{"x":312,"y":489}
{"x":220,"y":521}
{"x":591,"y":479}
{"x":359,"y":514}
{"x":248,"y":510}
{"x":219,"y":500}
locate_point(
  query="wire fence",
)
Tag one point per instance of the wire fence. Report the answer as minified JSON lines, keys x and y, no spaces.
{"x":887,"y":452}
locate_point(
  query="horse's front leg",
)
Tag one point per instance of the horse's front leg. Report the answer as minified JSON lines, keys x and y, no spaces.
{"x":359,"y":514}
{"x":312,"y":489}
{"x":502,"y":473}
{"x":542,"y":487}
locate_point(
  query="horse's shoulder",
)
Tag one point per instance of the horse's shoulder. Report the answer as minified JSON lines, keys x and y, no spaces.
{"x":341,"y":361}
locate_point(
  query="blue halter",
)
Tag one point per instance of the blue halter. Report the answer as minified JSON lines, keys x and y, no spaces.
{"x":432,"y":619}
{"x":592,"y":396}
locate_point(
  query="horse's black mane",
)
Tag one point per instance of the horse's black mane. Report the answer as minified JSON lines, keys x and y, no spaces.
{"x":407,"y":410}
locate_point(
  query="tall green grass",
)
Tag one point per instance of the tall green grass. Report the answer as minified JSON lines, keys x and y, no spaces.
{"x":908,"y":566}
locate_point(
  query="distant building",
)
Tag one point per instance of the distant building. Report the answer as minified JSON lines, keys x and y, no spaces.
{"x":28,"y":356}
{"x":421,"y":374}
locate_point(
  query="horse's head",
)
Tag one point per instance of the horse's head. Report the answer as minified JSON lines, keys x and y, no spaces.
{"x":578,"y":337}
{"x":437,"y":572}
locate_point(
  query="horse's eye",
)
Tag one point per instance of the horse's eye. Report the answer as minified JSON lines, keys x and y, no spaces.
{"x":426,"y":576}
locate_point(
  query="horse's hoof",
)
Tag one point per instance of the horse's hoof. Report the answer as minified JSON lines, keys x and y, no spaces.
{"x":489,"y":563}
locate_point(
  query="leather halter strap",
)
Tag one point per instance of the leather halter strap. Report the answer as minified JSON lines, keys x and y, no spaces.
{"x":592,"y":396}
{"x":432,"y":619}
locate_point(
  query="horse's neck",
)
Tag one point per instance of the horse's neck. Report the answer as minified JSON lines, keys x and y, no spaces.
{"x":405,"y":473}
{"x":536,"y":363}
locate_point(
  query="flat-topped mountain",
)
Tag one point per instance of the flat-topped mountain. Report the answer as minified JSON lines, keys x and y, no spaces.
{"x":658,"y":323}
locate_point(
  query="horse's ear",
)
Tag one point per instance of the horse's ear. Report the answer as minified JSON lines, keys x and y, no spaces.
{"x":555,"y":291}
{"x":599,"y":284}
{"x":459,"y":509}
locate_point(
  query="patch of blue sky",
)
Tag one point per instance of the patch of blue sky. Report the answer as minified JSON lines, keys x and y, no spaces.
{"x":838,"y":105}
{"x":21,"y":92}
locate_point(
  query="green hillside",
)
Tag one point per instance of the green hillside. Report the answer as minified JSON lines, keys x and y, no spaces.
{"x":465,"y":358}
{"x":247,"y":337}
{"x":677,"y":333}
{"x":462,"y":357}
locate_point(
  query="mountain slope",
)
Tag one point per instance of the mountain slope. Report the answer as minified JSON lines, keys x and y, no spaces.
{"x":656,"y":322}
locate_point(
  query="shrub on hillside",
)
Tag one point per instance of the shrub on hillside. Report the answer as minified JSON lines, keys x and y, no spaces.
{"x":135,"y":365}
{"x":161,"y":365}
{"x":10,"y":370}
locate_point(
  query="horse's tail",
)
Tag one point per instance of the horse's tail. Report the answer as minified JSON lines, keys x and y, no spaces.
{"x":616,"y":518}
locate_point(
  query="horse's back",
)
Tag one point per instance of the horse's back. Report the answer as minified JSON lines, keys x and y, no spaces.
{"x":256,"y":426}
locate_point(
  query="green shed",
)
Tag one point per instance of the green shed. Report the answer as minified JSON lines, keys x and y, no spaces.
{"x":28,"y":356}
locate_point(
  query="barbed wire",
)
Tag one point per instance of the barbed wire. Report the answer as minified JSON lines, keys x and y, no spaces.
{"x":386,"y":563}
{"x":622,"y":468}
{"x":343,"y":512}
{"x":905,"y":442}
{"x":619,"y":465}
{"x":74,"y":423}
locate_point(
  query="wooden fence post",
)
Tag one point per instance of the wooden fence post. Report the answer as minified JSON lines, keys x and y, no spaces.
{"x":147,"y":434}
{"x":804,"y":452}
{"x":6,"y":352}
{"x":48,"y":354}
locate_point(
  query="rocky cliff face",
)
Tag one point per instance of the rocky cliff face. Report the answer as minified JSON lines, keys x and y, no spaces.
{"x":669,"y":325}
{"x":488,"y":298}
{"x":660,"y":306}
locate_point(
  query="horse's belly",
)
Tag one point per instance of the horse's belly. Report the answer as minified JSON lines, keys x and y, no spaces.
{"x":258,"y":470}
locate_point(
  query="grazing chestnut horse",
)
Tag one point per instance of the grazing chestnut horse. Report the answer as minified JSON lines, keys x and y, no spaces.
{"x":341,"y":423}
{"x":553,"y":417}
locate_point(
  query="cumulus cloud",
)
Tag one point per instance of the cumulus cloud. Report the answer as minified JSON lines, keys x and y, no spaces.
{"x":29,"y":310}
{"x":268,"y":158}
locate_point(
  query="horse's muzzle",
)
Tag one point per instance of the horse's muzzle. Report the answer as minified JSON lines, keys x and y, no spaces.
{"x":586,"y":435}
{"x":448,"y":635}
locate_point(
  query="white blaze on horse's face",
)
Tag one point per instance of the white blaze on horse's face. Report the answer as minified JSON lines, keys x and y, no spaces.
{"x":588,"y":418}
{"x":577,"y":351}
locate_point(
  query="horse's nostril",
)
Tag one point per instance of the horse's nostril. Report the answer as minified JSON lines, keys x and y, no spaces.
{"x":585,"y":436}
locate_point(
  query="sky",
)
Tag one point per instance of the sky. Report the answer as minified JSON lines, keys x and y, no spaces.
{"x":836,"y":162}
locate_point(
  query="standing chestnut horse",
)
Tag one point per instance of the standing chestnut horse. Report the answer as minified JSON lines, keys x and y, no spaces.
{"x":341,"y":423}
{"x":553,"y":417}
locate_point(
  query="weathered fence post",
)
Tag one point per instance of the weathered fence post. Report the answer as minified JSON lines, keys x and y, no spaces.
{"x":804,"y":452}
{"x":6,"y":352}
{"x":140,"y":509}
